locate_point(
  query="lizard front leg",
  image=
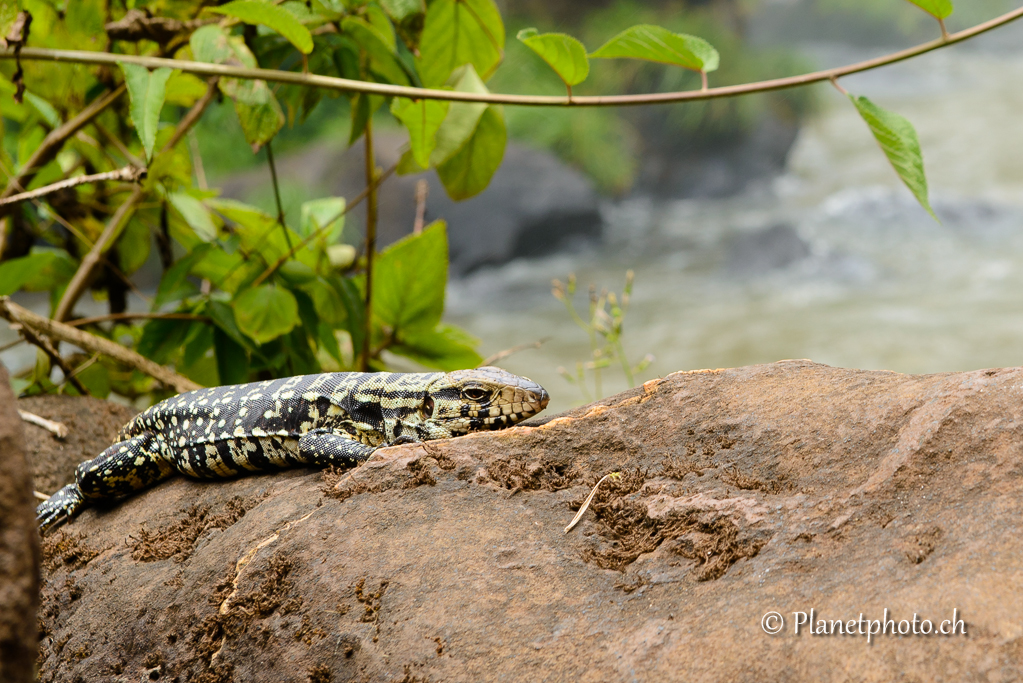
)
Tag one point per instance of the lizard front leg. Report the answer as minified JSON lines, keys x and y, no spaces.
{"x":324,"y":448}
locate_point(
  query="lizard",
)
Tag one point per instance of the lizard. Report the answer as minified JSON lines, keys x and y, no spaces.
{"x":332,"y":418}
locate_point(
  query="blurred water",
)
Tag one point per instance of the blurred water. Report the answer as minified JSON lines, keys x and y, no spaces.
{"x":833,"y":261}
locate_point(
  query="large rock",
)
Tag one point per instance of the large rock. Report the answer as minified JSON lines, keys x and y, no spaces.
{"x":533,"y":205}
{"x":782,"y":488}
{"x":19,"y":548}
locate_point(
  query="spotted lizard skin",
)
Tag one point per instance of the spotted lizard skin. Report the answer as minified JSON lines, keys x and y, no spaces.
{"x":312,"y":420}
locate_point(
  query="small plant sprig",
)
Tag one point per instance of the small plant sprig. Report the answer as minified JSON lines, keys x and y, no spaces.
{"x":604,"y":327}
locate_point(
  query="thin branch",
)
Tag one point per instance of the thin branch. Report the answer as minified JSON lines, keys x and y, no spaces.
{"x":129,"y":173}
{"x":277,"y":193}
{"x":839,"y":88}
{"x":43,"y":343}
{"x":371,"y":239}
{"x":91,"y":343}
{"x":193,"y":115}
{"x":136,"y":316}
{"x":422,"y":193}
{"x":348,"y":85}
{"x":322,"y":229}
{"x":118,"y":145}
{"x":106,"y":240}
{"x":501,"y":355}
{"x":51,"y":144}
{"x":200,"y":170}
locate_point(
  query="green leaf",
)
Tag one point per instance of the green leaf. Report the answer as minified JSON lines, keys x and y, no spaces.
{"x":899,"y":142}
{"x":939,"y":9}
{"x":469,"y":171}
{"x":232,"y":362}
{"x":400,"y":10}
{"x":657,"y":44}
{"x":327,"y":214}
{"x":162,"y":338}
{"x":379,"y":20}
{"x":409,"y":280}
{"x":260,"y":121}
{"x":133,"y":246}
{"x":195,"y":214}
{"x":147,"y":93}
{"x":423,"y":119}
{"x":462,"y":118}
{"x":184,"y":89}
{"x":265,"y":312}
{"x":258,"y":111}
{"x":363,"y":106}
{"x":327,"y":303}
{"x":460,"y":32}
{"x":562,"y":52}
{"x":407,"y":164}
{"x":446,"y":348}
{"x":174,"y":284}
{"x":43,"y":269}
{"x":223,"y":317}
{"x":383,"y":60}
{"x":273,"y":17}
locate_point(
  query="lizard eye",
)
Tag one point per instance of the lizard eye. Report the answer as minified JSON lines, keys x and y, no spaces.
{"x":474,"y":394}
{"x":428,"y":406}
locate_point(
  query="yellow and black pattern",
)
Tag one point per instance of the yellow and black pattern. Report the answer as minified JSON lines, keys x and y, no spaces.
{"x":312,"y":420}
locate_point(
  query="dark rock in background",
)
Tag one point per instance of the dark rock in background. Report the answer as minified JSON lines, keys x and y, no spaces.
{"x":762,"y":251}
{"x":19,"y":548}
{"x":533,"y":205}
{"x":773,"y":488}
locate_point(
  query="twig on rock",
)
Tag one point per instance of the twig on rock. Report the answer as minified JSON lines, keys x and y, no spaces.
{"x":589,"y":499}
{"x":58,"y":429}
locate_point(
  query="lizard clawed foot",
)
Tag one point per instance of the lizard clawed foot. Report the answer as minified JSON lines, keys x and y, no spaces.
{"x":64,"y":504}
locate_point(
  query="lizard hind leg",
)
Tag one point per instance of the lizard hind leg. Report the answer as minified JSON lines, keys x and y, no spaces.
{"x":64,"y":504}
{"x":125,"y":467}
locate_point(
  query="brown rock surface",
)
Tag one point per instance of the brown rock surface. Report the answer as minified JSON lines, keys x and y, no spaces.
{"x":780,"y":487}
{"x":19,"y":548}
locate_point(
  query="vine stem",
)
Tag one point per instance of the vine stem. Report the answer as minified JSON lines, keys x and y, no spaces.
{"x":349,"y":85}
{"x":277,"y":193}
{"x":371,"y":241}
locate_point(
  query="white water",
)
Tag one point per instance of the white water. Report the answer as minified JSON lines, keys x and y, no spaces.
{"x":883,"y":287}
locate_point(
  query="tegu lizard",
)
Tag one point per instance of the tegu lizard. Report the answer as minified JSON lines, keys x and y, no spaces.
{"x":314,"y":420}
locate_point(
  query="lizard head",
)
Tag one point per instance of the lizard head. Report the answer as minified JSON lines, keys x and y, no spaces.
{"x":479,"y":400}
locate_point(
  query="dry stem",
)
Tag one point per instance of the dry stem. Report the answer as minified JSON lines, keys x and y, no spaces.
{"x":61,"y":332}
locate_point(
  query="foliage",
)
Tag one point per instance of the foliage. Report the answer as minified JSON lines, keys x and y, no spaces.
{"x":898,"y":140}
{"x":604,"y":325}
{"x":246,"y":294}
